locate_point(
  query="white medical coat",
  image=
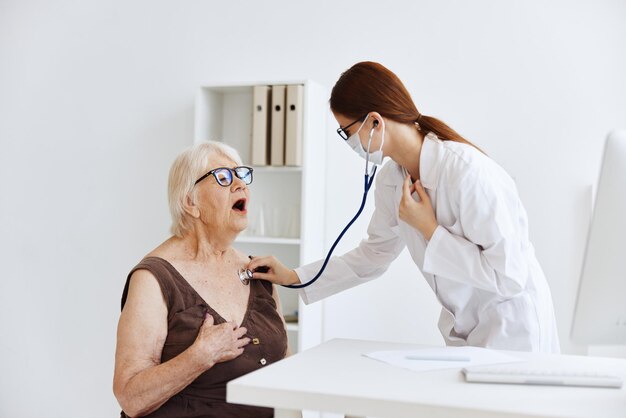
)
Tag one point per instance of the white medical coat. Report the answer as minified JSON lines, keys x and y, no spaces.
{"x":479,"y":261}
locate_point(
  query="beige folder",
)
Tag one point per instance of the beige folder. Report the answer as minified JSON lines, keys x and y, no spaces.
{"x":293,"y":125}
{"x":277,"y":143}
{"x":261,"y":101}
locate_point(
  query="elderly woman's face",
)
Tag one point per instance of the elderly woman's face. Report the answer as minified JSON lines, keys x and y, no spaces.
{"x":223,"y":206}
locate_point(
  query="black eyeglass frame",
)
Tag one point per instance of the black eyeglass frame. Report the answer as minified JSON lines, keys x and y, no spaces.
{"x":231,"y":171}
{"x":342,"y":131}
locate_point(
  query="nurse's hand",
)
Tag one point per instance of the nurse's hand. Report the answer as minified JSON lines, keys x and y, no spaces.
{"x":270,"y":269}
{"x":420,"y":215}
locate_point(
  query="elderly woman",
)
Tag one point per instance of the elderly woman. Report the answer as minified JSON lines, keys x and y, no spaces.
{"x":188,"y":323}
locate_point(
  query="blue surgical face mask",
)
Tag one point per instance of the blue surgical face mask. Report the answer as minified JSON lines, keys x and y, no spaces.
{"x":354,"y":141}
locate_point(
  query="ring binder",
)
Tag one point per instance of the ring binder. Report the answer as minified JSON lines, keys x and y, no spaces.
{"x":293,"y":125}
{"x":277,"y":143}
{"x":260,"y":125}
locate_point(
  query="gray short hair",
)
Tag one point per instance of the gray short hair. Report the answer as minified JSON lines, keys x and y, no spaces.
{"x":188,"y":166}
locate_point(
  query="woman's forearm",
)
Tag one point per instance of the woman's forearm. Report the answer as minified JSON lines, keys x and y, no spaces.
{"x":149,"y":389}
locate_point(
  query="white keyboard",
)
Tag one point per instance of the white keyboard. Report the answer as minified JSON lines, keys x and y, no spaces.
{"x":553,"y":377}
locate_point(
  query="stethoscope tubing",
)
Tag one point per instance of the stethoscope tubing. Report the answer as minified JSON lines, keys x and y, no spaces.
{"x":369,"y":179}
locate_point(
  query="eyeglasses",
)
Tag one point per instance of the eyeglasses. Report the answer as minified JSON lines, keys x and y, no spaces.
{"x":224,"y":175}
{"x":343,"y":132}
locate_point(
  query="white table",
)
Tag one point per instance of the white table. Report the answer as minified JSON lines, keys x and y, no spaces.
{"x":336,"y":377}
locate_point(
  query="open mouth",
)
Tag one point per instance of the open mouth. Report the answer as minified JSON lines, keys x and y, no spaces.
{"x":240,"y":205}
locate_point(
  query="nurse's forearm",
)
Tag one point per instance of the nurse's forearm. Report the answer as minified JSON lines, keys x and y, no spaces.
{"x":294,"y":278}
{"x":456,"y":258}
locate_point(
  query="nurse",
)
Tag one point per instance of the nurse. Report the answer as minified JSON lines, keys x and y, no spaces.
{"x":456,"y":210}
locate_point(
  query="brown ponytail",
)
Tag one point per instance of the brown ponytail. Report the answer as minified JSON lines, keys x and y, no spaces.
{"x":368,"y":86}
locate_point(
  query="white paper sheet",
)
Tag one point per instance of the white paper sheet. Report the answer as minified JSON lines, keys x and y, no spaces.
{"x":441,"y":358}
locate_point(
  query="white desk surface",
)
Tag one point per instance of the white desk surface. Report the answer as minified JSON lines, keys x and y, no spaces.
{"x":336,"y":377}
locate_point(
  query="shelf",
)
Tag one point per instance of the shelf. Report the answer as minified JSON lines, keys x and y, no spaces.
{"x":247,"y":86}
{"x":276,"y":169}
{"x":292,"y":326}
{"x":250,"y":239}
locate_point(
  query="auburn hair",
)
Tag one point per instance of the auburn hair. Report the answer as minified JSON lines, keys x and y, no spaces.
{"x":369,"y":86}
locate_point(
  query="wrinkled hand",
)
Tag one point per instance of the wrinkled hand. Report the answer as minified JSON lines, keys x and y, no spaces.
{"x":276,"y":272}
{"x":420,"y":215}
{"x":219,"y":343}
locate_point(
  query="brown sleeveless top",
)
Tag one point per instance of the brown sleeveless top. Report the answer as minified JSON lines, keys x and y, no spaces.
{"x":205,"y":397}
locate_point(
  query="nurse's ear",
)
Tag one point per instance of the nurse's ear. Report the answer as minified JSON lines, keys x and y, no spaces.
{"x":377,"y":121}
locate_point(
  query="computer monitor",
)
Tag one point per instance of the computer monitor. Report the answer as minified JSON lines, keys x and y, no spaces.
{"x":600,"y":312}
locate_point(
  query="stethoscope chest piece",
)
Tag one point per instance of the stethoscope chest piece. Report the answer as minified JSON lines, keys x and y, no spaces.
{"x":244,"y":275}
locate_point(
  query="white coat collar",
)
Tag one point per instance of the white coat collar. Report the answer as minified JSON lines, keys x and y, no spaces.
{"x":392,"y":174}
{"x":431,"y":157}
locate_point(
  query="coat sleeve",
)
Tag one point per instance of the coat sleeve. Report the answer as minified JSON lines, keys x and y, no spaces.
{"x":364,"y":263}
{"x":492,"y":253}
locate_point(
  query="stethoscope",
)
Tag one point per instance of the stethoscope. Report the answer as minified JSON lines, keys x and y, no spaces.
{"x":367,"y":184}
{"x":246,"y":274}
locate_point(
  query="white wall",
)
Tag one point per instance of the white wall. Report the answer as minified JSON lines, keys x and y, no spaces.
{"x":96,"y":99}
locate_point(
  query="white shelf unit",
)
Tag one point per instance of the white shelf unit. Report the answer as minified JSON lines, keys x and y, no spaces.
{"x":287,"y":204}
{"x":255,"y":239}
